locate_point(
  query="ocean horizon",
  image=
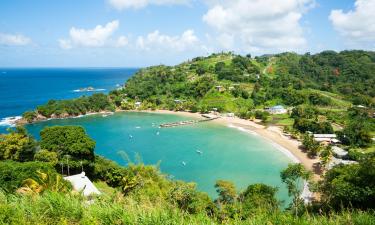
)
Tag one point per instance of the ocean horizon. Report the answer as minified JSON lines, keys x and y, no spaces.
{"x":23,"y":89}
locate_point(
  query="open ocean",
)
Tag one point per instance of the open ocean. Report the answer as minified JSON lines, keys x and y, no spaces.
{"x":24,"y":89}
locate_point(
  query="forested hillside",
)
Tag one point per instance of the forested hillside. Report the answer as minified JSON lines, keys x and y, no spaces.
{"x":327,"y":79}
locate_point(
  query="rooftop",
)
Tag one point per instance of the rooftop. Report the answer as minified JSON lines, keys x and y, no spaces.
{"x":82,"y":183}
{"x":324,"y":135}
{"x":339,"y":152}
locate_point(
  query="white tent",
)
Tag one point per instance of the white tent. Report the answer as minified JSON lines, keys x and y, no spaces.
{"x":82,"y":183}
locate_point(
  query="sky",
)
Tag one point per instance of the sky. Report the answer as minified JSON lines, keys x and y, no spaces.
{"x":138,"y":33}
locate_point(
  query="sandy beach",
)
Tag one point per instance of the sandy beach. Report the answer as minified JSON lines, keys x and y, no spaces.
{"x":274,"y":134}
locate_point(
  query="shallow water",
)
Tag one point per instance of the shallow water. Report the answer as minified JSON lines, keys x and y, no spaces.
{"x":227,"y":153}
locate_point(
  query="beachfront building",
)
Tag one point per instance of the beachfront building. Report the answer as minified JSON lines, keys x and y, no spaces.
{"x":138,"y":104}
{"x":178,"y":101}
{"x":339,"y":152}
{"x":278,"y":109}
{"x":81,"y":183}
{"x":326,"y":138}
{"x":230,"y":114}
{"x":335,"y":161}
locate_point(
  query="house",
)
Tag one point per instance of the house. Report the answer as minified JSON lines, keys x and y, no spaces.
{"x":177,"y":101}
{"x":220,"y":88}
{"x":339,"y":152}
{"x":230,"y":114}
{"x":328,"y":138}
{"x":335,"y":161}
{"x":137,"y":104}
{"x":81,"y":183}
{"x":278,"y":109}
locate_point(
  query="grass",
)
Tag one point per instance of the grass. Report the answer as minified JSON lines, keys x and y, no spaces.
{"x":281,"y":120}
{"x":337,"y":100}
{"x":58,"y":208}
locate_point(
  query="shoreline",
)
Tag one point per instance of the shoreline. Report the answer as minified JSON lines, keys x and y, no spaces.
{"x":288,"y":146}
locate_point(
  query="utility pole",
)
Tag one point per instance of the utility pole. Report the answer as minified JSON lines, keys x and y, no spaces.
{"x":67,"y":162}
{"x":62,"y":168}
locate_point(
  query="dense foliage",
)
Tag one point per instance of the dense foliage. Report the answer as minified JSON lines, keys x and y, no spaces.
{"x":17,"y":145}
{"x":71,"y":144}
{"x":351,"y":185}
{"x":74,"y":107}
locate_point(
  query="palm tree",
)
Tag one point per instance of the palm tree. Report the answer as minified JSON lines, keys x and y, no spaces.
{"x":43,"y":182}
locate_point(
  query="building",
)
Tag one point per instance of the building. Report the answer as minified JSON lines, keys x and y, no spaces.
{"x":230,"y":114}
{"x":220,"y":88}
{"x":138,"y":104}
{"x":177,"y":101}
{"x":339,"y":152}
{"x":335,"y":161}
{"x":328,"y":138}
{"x":278,"y":109}
{"x":81,"y":183}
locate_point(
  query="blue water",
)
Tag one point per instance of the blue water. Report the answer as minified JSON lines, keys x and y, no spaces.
{"x":228,"y":153}
{"x":24,"y":89}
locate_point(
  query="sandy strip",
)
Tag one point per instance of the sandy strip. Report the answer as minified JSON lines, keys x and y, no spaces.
{"x":290,"y":147}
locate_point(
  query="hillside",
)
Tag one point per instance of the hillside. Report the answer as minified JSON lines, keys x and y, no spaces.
{"x":325,"y":79}
{"x":336,"y":87}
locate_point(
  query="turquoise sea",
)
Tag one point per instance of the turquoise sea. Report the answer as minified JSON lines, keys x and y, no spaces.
{"x":227,"y":153}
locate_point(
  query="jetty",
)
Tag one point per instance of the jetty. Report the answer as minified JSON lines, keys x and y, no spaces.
{"x":207,"y":117}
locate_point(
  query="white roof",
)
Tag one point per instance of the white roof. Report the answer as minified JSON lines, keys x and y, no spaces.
{"x":336,"y":161}
{"x":323,"y":139}
{"x":324,"y":135}
{"x":339,"y":151}
{"x":82,"y":183}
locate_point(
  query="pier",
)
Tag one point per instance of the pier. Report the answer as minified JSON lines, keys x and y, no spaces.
{"x":207,"y":117}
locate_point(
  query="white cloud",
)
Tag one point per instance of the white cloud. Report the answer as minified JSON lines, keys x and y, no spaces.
{"x":358,"y":25}
{"x":137,"y":4}
{"x":14,"y":39}
{"x":100,"y":36}
{"x":157,"y":41}
{"x":258,"y":25}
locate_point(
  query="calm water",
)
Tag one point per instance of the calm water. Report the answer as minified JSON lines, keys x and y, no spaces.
{"x":24,"y":89}
{"x":228,"y":153}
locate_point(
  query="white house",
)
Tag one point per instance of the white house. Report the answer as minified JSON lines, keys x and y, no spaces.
{"x":220,"y":88}
{"x":331,"y":138}
{"x":339,"y":152}
{"x":81,"y":183}
{"x":278,"y":109}
{"x":137,"y":104}
{"x":335,"y":161}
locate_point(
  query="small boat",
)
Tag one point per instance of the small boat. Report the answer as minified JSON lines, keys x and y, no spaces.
{"x":199,"y":152}
{"x":183,"y":163}
{"x":157,"y":133}
{"x":138,"y":127}
{"x":105,"y":115}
